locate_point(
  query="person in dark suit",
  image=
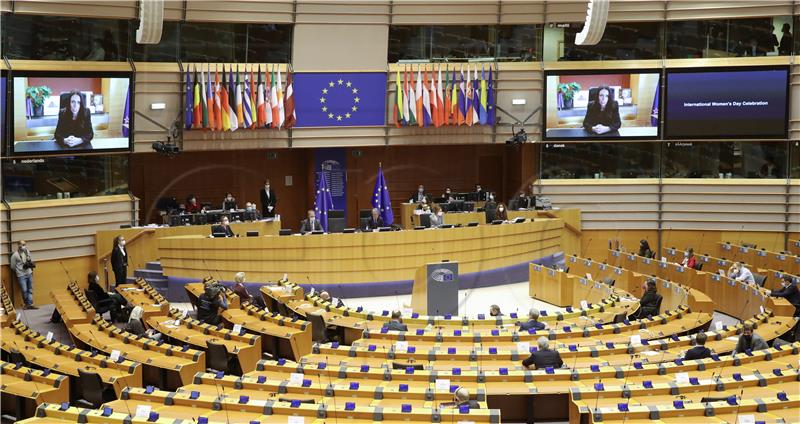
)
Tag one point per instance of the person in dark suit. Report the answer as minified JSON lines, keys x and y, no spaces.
{"x":790,"y":292}
{"x":396,"y":324}
{"x":461,"y":398}
{"x":644,"y":249}
{"x":209,"y":304}
{"x":700,"y":351}
{"x":310,"y":224}
{"x":482,"y":195}
{"x":533,"y":322}
{"x":375,"y":221}
{"x":74,"y":127}
{"x":116,"y":299}
{"x":119,"y":260}
{"x":268,"y":200}
{"x":229,"y":202}
{"x":241,"y":291}
{"x":419,"y":196}
{"x":522,"y":202}
{"x":544,"y":357}
{"x":649,"y":301}
{"x":222,"y":228}
{"x":602,"y":115}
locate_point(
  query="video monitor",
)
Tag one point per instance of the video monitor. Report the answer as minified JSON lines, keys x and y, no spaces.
{"x":74,"y":112}
{"x":726,"y":103}
{"x":3,"y":118}
{"x":588,"y":105}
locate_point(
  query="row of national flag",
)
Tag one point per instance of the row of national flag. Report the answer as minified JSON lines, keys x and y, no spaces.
{"x":461,"y":98}
{"x":240,"y":100}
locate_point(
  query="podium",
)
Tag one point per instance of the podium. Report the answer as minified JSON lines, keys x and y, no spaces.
{"x":435,"y":289}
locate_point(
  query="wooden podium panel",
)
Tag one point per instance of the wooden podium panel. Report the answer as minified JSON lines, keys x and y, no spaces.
{"x":361,"y":257}
{"x":550,"y":285}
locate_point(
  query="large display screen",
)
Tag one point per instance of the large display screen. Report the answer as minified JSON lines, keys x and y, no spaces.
{"x":726,"y":103}
{"x":586,"y":105}
{"x":75,"y":112}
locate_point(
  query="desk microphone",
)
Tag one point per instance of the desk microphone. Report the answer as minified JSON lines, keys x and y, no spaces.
{"x":336,"y":410}
{"x":710,"y":386}
{"x":208,"y":269}
{"x":736,"y":417}
{"x":116,"y":383}
{"x":69,"y":278}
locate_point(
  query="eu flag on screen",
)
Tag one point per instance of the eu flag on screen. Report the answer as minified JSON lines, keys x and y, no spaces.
{"x":126,"y":115}
{"x":334,"y":99}
{"x":323,"y":202}
{"x":381,"y":200}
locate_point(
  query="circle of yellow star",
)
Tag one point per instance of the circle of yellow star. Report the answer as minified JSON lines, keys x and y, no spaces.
{"x":341,"y":81}
{"x":338,"y":117}
{"x":347,"y":115}
{"x":322,"y":100}
{"x":324,"y":91}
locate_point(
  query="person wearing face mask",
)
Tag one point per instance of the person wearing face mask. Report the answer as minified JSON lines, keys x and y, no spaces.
{"x":311,"y":223}
{"x":116,"y":299}
{"x":522,"y":202}
{"x":739,"y":272}
{"x":419,"y":196}
{"x":501,"y":212}
{"x":229,"y":202}
{"x":437,"y":217}
{"x":749,"y":340}
{"x":223,"y":227}
{"x":602,"y":114}
{"x":192,"y":205}
{"x":74,"y":127}
{"x":448,"y":195}
{"x":119,"y":260}
{"x":269,"y":200}
{"x":375,"y":221}
{"x":790,"y":292}
{"x":22,"y":264}
{"x":481,"y":195}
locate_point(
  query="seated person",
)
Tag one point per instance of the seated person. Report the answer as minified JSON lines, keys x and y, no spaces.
{"x":482,"y":196}
{"x":644,"y":249}
{"x":222,"y":228}
{"x":790,"y":292}
{"x":437,"y":216}
{"x":494,"y":311}
{"x":419,"y":196}
{"x":739,"y":272}
{"x":689,"y":260}
{"x":448,"y":195}
{"x":544,"y":357}
{"x":192,"y":206}
{"x":209,"y":303}
{"x":375,"y":221}
{"x":602,"y":115}
{"x":244,"y":295}
{"x":74,"y":127}
{"x":533,"y":322}
{"x":334,"y":301}
{"x":461,"y":398}
{"x":522,"y":202}
{"x":229,"y":202}
{"x":101,"y":295}
{"x":396,"y":323}
{"x":135,"y":326}
{"x":311,"y":223}
{"x":501,"y":212}
{"x":650,"y":300}
{"x":749,"y":340}
{"x":700,"y":351}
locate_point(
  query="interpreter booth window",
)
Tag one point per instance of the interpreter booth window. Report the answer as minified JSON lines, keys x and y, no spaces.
{"x":599,"y":160}
{"x":64,"y":177}
{"x":767,"y":36}
{"x":459,"y":43}
{"x":794,"y":159}
{"x":165,"y":51}
{"x":739,"y":159}
{"x":621,"y":41}
{"x":64,"y":38}
{"x":229,"y":42}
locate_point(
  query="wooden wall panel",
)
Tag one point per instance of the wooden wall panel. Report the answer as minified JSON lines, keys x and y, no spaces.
{"x":416,"y":12}
{"x":695,"y":10}
{"x":522,"y":12}
{"x":343,"y":12}
{"x":794,"y":207}
{"x":607,"y":204}
{"x":49,"y":275}
{"x":261,"y":11}
{"x":636,"y":10}
{"x":119,"y":9}
{"x":173,"y":10}
{"x":5,"y":5}
{"x":340,"y":47}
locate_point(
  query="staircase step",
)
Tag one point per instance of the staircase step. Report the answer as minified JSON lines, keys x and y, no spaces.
{"x":148,"y":273}
{"x":154,"y":266}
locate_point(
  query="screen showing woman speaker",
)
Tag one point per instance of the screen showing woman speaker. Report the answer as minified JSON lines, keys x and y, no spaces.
{"x":58,"y":114}
{"x":585,"y":105}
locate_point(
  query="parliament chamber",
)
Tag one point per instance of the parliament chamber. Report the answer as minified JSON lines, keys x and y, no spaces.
{"x":482,"y":211}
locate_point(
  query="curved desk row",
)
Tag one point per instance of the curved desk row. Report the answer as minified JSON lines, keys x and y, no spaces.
{"x":486,"y":254}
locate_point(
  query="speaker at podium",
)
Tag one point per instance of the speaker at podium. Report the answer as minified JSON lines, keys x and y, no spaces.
{"x":435,"y":290}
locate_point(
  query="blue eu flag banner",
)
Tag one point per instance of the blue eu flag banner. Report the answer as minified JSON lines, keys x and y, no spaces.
{"x":126,"y":115}
{"x":333,"y":99}
{"x":381,"y":200}
{"x":323,"y":203}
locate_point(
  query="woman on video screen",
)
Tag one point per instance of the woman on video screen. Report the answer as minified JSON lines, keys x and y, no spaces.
{"x":74,"y":128}
{"x":602,"y":115}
